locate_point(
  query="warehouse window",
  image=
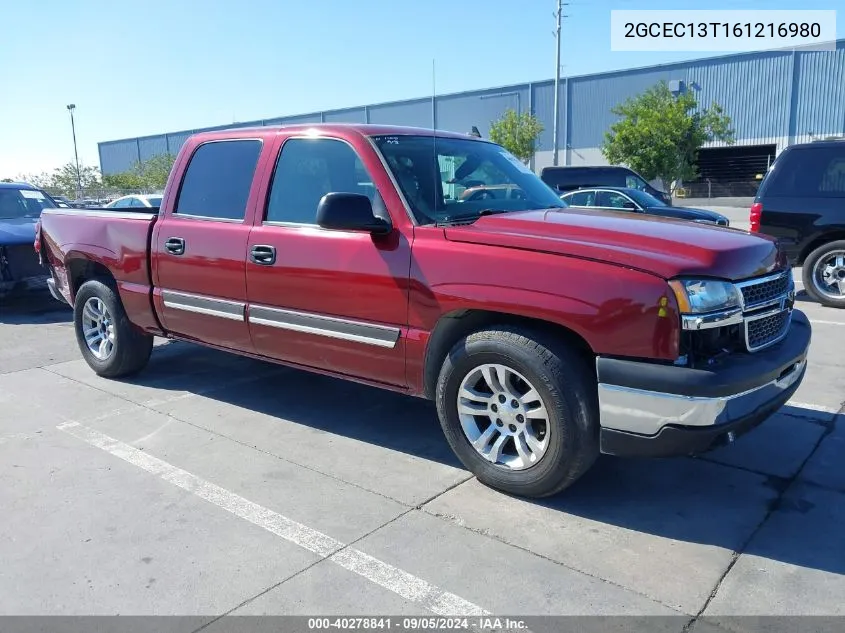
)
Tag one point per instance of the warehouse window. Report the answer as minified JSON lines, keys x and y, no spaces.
{"x":218,"y":179}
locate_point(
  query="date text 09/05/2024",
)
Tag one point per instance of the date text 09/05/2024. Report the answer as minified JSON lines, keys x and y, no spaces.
{"x":416,"y":623}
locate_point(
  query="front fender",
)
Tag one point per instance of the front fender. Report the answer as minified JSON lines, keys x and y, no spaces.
{"x":623,"y":319}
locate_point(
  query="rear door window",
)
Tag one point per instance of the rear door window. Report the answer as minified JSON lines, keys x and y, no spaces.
{"x":582,"y":199}
{"x":808,"y":172}
{"x":218,"y":180}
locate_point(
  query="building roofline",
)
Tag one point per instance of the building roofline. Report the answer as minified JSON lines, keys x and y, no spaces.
{"x":838,"y":44}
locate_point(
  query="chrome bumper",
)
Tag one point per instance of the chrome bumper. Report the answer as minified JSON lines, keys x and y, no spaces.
{"x":647,"y":412}
{"x":656,"y":409}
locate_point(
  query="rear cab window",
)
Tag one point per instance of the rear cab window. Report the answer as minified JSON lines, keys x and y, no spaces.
{"x":807,"y":172}
{"x":218,"y":180}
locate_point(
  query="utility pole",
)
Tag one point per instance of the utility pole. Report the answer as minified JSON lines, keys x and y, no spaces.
{"x":71,"y":107}
{"x":556,"y":125}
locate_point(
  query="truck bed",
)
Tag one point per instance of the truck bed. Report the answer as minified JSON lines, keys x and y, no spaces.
{"x":73,"y":241}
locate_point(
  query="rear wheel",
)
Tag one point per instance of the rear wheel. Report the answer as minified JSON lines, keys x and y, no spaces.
{"x":824,"y":274}
{"x":521,"y":414}
{"x":109,"y":343}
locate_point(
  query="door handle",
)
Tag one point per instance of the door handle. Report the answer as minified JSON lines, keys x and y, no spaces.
{"x":175,"y":245}
{"x":262,"y":254}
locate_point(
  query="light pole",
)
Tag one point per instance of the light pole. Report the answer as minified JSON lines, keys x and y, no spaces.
{"x":555,"y":134}
{"x":71,"y":107}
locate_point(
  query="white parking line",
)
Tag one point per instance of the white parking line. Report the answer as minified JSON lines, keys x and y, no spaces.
{"x":820,"y":322}
{"x":391,"y":578}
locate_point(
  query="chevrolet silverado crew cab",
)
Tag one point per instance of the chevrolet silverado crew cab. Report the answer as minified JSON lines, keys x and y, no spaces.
{"x":545,"y":335}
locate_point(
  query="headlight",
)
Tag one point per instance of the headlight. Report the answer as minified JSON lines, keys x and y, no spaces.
{"x":696,"y":296}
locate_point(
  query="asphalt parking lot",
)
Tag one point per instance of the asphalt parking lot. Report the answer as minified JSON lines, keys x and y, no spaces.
{"x":216,"y":485}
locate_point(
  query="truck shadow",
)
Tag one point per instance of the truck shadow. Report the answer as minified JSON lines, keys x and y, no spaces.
{"x":684,"y":499}
{"x":33,"y":308}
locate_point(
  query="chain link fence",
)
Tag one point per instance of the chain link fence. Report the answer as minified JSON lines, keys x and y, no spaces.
{"x":96,"y":196}
{"x":711,"y":189}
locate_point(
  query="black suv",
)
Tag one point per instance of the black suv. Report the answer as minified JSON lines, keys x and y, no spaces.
{"x":563,"y":179}
{"x":801,"y":202}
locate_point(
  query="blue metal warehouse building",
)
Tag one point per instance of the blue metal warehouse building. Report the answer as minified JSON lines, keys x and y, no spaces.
{"x":775,"y":98}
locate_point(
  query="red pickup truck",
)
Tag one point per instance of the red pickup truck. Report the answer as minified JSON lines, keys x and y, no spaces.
{"x":545,"y":335}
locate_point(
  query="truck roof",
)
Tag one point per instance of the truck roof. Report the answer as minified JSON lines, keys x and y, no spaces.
{"x":364,"y":129}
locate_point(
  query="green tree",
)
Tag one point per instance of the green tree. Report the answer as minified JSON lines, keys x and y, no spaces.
{"x":149,"y":174}
{"x":63,"y":179}
{"x":517,"y":133}
{"x":659,"y":134}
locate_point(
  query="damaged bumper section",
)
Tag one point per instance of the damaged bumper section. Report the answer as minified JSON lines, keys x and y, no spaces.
{"x":653,"y":410}
{"x":20,"y":269}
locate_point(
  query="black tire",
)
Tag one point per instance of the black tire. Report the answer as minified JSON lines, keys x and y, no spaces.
{"x":132,"y":347}
{"x":567,"y":387}
{"x":807,"y":274}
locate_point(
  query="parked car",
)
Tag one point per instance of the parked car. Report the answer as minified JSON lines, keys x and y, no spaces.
{"x":490,"y":192}
{"x":61,"y":202}
{"x":626,"y":199}
{"x":563,"y":179}
{"x":135,"y":201}
{"x":20,"y":207}
{"x":801,"y":202}
{"x":543,"y":337}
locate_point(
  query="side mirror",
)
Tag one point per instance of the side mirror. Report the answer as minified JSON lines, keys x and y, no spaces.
{"x":350,"y":212}
{"x":630,"y":206}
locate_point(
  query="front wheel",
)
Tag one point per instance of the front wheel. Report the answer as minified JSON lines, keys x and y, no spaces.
{"x":824,"y":274}
{"x":520,"y":414}
{"x":109,"y":343}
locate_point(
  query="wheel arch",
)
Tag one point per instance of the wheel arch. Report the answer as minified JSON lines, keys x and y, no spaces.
{"x":455,"y":325}
{"x":81,"y":269}
{"x":820,"y":240}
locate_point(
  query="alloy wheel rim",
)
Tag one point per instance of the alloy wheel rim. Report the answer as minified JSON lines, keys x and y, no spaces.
{"x":829,"y":275}
{"x":503,"y":417}
{"x":98,"y":328}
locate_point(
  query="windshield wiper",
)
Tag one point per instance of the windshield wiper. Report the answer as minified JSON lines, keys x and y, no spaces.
{"x":469,"y":218}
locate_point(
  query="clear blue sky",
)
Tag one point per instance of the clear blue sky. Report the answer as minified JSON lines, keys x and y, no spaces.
{"x":136,"y":68}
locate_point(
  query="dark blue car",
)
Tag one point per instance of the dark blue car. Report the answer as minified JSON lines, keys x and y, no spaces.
{"x":20,"y":208}
{"x":636,"y":201}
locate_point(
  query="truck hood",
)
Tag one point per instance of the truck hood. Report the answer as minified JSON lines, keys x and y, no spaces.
{"x":15,"y":231}
{"x":660,"y":246}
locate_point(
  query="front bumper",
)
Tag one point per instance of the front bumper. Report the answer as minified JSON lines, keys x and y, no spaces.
{"x":19,"y":269}
{"x":652,"y":410}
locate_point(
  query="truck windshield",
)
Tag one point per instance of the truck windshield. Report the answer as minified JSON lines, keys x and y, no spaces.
{"x":459,"y":180}
{"x":23,"y":203}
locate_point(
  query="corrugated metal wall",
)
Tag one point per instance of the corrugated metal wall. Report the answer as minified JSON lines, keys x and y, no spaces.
{"x":770,"y":95}
{"x":820,"y":98}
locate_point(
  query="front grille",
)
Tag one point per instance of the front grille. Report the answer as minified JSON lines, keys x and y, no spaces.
{"x":766,"y":291}
{"x":773,"y":297}
{"x":764,"y":331}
